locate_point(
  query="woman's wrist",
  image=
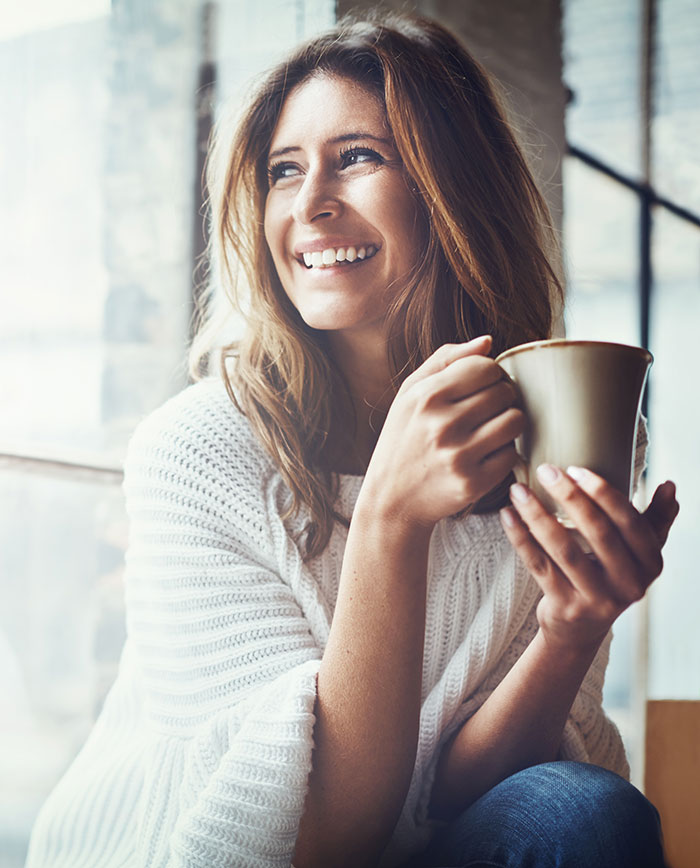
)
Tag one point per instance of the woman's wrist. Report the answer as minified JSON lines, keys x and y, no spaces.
{"x":384,"y":512}
{"x":565,"y":653}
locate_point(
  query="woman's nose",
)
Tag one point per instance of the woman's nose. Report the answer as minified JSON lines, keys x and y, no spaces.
{"x":316,"y":198}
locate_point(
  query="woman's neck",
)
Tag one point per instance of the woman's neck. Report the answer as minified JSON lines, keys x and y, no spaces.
{"x":365,"y":367}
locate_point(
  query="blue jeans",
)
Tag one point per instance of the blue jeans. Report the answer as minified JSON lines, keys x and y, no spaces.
{"x":563,"y":814}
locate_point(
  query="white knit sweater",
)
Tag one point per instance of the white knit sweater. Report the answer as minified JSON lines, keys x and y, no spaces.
{"x":201,"y":755}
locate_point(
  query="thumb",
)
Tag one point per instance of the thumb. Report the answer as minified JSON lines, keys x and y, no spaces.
{"x":663,"y":509}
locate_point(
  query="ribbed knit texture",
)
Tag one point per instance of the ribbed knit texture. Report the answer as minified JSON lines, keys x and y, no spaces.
{"x":202,"y":752}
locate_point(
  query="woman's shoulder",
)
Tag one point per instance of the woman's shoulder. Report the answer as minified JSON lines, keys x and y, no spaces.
{"x":199,"y":429}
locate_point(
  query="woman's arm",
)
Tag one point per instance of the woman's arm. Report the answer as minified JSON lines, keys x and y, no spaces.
{"x":429,"y":462}
{"x":521,"y":722}
{"x":368,"y":700}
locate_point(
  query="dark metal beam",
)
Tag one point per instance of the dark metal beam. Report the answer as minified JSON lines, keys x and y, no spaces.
{"x":636,"y":186}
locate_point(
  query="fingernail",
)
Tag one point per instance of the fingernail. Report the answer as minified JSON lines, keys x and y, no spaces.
{"x":519,"y":492}
{"x":578,"y":474}
{"x":507,"y":517}
{"x":547,"y":474}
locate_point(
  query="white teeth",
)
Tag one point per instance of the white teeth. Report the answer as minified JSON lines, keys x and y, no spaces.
{"x":329,"y":256}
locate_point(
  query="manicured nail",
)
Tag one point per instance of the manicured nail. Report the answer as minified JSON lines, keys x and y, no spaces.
{"x":547,"y":474}
{"x":519,"y":492}
{"x":578,"y":474}
{"x":507,"y":517}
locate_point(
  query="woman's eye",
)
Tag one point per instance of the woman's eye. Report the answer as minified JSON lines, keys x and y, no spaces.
{"x":353,"y":156}
{"x":278,"y":171}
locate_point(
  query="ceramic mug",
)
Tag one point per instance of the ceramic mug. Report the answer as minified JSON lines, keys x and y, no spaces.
{"x":582,"y":402}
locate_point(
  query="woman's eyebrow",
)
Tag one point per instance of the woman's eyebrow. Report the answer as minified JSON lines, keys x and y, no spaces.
{"x":345,"y":137}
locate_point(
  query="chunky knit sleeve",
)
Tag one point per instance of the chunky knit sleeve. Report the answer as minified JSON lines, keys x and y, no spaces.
{"x":225,"y":662}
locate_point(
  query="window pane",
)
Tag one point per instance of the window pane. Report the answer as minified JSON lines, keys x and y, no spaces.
{"x":61,"y":632}
{"x":601,"y":220}
{"x":97,"y":175}
{"x":252,"y":36}
{"x":602,"y":42}
{"x":675,"y":413}
{"x":97,"y":171}
{"x":601,"y":250}
{"x":676,"y":124}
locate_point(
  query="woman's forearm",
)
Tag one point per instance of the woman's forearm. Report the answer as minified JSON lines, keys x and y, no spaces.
{"x":369,"y":695}
{"x":519,"y":725}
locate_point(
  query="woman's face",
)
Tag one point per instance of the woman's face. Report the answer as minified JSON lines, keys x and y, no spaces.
{"x":340,"y":220}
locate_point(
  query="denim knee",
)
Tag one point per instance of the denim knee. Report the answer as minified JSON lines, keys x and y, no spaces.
{"x":567,"y":814}
{"x":608,"y":821}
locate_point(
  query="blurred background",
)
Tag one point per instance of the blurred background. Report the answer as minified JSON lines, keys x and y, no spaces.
{"x":106,"y":108}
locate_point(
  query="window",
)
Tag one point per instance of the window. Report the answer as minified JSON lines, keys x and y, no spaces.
{"x":106,"y":110}
{"x":632,"y":203}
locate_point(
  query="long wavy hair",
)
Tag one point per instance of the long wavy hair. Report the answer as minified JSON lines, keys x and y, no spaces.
{"x":485,"y":267}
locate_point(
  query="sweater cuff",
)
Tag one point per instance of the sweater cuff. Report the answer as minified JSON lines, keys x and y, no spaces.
{"x":245,"y":779}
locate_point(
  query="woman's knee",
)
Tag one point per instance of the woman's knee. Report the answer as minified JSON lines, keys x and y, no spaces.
{"x":557,"y":814}
{"x":590,"y":793}
{"x":590,"y":816}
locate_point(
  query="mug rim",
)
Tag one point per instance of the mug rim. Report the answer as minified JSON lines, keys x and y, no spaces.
{"x":553,"y":342}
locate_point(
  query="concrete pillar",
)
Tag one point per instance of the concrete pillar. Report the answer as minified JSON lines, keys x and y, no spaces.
{"x":148,"y":184}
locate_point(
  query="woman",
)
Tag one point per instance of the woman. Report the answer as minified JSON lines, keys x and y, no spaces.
{"x":334,"y":655}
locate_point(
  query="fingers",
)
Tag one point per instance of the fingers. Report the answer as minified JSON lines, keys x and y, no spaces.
{"x":459,"y":377}
{"x":607,"y":519}
{"x":495,"y":433}
{"x":628,"y":554}
{"x":468,"y":414}
{"x":447,"y":354}
{"x":465,"y":377}
{"x":497,"y":465}
{"x":547,"y":575}
{"x":557,"y":542}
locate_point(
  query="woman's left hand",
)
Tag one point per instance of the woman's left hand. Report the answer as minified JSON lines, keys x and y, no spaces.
{"x":585,"y":593}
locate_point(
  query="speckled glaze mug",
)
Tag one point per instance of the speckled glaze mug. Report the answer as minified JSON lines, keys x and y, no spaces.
{"x":582,"y":402}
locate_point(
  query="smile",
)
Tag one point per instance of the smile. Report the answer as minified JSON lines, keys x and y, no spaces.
{"x":333,"y":256}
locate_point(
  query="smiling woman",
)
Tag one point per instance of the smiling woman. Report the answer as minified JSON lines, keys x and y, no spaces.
{"x":334,"y":655}
{"x":439,"y":171}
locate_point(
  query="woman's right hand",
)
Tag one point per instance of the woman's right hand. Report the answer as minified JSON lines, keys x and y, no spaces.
{"x":448,"y":437}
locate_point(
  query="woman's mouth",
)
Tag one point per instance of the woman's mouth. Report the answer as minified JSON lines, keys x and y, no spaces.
{"x":334,"y":256}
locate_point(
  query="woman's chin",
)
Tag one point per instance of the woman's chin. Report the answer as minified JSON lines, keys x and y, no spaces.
{"x":332,"y":322}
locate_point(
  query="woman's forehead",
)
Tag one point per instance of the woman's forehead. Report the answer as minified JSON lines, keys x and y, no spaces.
{"x":327,"y":107}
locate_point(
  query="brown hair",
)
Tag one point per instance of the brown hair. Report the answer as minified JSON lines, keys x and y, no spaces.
{"x":485,"y":267}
